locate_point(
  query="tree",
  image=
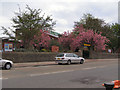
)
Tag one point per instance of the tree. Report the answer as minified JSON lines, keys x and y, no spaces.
{"x":41,"y":40}
{"x":97,"y":41}
{"x":115,"y":37}
{"x":80,"y":36}
{"x":27,"y":24}
{"x":89,"y":22}
{"x":116,"y":29}
{"x":65,"y":40}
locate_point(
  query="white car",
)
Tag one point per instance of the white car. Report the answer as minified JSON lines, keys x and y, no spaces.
{"x":5,"y":64}
{"x":68,"y":58}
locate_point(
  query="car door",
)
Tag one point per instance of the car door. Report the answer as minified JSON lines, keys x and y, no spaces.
{"x":71,"y":57}
{"x":76,"y":58}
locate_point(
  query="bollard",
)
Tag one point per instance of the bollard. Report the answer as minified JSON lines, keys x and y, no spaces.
{"x":109,"y":86}
{"x":116,"y":84}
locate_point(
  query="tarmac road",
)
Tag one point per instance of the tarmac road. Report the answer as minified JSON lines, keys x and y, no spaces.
{"x":88,"y":75}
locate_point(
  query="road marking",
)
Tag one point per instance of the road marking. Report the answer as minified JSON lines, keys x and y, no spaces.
{"x":3,"y":78}
{"x":50,"y":73}
{"x":93,"y":67}
{"x":89,"y":68}
{"x":101,"y":66}
{"x":39,"y":74}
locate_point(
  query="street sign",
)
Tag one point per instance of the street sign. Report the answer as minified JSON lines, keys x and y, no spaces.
{"x":87,"y":45}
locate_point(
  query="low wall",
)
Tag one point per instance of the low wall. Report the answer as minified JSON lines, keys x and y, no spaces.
{"x":104,"y":55}
{"x":20,"y":57}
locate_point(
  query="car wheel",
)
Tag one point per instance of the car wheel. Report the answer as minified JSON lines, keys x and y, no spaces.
{"x":82,"y":61}
{"x":60,"y":63}
{"x":68,"y":62}
{"x":7,"y":66}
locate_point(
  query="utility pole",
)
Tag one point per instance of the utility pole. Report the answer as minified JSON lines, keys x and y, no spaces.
{"x":0,"y":47}
{"x":119,"y":12}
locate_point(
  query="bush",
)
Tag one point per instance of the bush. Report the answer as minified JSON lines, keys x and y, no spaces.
{"x":26,"y":50}
{"x":43,"y":50}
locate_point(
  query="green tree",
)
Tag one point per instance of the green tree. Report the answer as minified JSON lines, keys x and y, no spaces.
{"x":115,"y":39}
{"x":89,"y":22}
{"x":97,"y":25}
{"x":27,"y":24}
{"x":116,"y":29}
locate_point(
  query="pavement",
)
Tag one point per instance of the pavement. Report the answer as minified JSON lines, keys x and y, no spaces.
{"x":31,"y":64}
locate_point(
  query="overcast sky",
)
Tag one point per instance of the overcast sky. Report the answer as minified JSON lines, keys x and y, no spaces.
{"x":64,"y":12}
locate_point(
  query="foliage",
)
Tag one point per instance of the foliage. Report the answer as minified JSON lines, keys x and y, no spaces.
{"x":28,"y":23}
{"x":73,"y":40}
{"x":116,"y":29}
{"x":89,"y":22}
{"x":115,"y":38}
{"x":96,"y":40}
{"x":40,"y":40}
{"x":65,"y":40}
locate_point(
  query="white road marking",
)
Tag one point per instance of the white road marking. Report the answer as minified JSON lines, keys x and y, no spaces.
{"x":50,"y":73}
{"x":39,"y":74}
{"x":3,"y":78}
{"x":89,"y":68}
{"x":93,"y":67}
{"x":101,"y":66}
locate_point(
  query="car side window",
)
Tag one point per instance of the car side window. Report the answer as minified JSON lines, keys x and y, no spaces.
{"x":60,"y":55}
{"x":75,"y":55}
{"x":69,"y":55}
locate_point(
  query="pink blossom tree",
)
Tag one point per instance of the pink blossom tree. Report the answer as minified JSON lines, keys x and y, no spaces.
{"x":65,"y":40}
{"x":41,"y":39}
{"x":80,"y":36}
{"x":94,"y":39}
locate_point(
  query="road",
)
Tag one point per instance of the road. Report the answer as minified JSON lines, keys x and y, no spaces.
{"x":88,"y":75}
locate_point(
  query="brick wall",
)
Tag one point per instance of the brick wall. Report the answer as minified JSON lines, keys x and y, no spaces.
{"x":104,"y":55}
{"x":20,"y":57}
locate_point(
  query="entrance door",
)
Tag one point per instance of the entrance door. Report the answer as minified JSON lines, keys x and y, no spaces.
{"x":85,"y":53}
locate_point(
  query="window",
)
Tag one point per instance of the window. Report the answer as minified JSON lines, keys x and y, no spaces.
{"x":60,"y":55}
{"x":75,"y":55}
{"x":69,"y":55}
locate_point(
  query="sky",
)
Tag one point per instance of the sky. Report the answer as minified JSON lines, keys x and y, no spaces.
{"x":64,"y":12}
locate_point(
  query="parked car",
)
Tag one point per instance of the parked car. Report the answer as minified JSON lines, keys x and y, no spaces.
{"x":68,"y":58}
{"x":5,"y":64}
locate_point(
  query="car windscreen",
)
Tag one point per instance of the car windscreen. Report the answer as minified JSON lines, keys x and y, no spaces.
{"x":60,"y":55}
